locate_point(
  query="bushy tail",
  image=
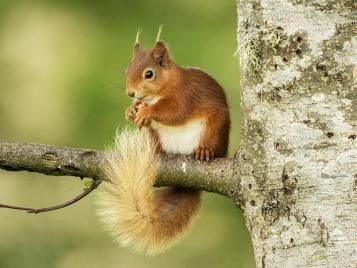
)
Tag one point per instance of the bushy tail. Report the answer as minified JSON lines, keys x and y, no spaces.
{"x":135,"y":213}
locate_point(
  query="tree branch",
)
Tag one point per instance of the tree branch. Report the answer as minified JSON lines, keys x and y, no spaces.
{"x":219,"y":175}
{"x":85,"y":192}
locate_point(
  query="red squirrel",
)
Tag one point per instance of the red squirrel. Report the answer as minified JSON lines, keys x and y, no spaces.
{"x":182,"y":111}
{"x":185,"y":108}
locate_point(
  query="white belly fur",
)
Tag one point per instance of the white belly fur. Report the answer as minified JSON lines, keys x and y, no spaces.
{"x":182,"y":139}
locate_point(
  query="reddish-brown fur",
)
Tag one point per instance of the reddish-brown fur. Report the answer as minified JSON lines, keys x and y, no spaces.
{"x":185,"y":94}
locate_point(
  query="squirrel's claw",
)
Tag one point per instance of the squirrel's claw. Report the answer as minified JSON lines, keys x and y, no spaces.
{"x":204,"y":153}
{"x":142,"y":118}
{"x":139,"y":121}
{"x":130,"y":113}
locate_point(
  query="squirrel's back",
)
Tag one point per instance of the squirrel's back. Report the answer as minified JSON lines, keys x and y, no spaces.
{"x":205,"y":93}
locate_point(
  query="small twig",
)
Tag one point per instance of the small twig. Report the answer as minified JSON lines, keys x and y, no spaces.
{"x":85,"y":192}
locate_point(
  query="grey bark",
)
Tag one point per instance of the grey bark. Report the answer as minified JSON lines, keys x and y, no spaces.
{"x":217,"y":176}
{"x":299,"y":173}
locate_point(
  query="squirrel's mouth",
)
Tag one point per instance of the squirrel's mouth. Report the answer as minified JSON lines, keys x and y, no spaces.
{"x":149,"y":99}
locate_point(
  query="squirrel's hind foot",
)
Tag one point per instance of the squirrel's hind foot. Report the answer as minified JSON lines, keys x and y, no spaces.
{"x":203,"y":153}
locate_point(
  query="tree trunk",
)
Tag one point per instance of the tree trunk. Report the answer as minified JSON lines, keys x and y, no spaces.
{"x":298,"y":148}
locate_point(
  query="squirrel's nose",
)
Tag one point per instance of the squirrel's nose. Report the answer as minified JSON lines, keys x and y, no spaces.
{"x":131,"y":94}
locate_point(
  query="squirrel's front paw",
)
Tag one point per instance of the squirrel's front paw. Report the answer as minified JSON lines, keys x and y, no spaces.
{"x":130,"y":113}
{"x":143,"y":118}
{"x":132,"y":110}
{"x":203,"y":153}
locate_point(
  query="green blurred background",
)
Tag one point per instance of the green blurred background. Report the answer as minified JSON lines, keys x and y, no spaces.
{"x":61,"y":82}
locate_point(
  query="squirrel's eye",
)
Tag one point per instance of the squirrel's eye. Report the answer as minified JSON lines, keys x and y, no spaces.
{"x":149,"y":74}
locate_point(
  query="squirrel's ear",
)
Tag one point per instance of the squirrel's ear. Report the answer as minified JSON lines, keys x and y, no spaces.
{"x":160,"y":54}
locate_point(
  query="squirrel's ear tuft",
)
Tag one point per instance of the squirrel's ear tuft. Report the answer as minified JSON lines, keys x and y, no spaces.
{"x":160,"y":54}
{"x":136,"y":49}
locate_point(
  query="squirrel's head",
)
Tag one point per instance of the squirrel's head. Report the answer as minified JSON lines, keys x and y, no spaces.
{"x":148,"y":72}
